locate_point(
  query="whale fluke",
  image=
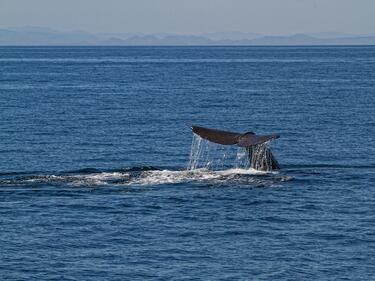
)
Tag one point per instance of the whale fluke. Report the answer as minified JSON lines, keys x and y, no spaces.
{"x":231,"y":138}
{"x":216,"y":136}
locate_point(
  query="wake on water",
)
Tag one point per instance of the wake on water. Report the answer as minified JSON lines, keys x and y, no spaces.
{"x":208,"y":163}
{"x":147,"y":176}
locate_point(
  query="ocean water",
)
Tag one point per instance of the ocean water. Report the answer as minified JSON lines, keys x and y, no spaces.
{"x":95,"y":144}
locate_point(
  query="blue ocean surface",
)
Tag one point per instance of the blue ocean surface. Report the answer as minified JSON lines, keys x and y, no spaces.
{"x":95,"y":144}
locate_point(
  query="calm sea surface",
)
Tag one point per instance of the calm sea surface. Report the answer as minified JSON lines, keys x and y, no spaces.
{"x":95,"y":141}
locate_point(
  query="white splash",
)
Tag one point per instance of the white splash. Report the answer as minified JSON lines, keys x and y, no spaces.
{"x":198,"y":175}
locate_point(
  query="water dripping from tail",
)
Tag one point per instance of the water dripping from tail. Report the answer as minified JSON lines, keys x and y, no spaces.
{"x":242,"y":158}
{"x":212,"y":156}
{"x":195,"y":152}
{"x":261,"y":158}
{"x":208,"y":155}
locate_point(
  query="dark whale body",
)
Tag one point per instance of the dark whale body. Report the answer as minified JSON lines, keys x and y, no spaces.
{"x":260,"y":155}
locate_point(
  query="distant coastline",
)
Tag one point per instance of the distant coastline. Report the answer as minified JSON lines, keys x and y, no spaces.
{"x":34,"y":36}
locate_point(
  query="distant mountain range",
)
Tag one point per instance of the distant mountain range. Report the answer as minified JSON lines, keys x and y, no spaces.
{"x":27,"y":36}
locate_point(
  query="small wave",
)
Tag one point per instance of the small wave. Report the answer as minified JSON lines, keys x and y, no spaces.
{"x":91,"y":179}
{"x":85,"y":171}
{"x":138,"y":169}
{"x":4,"y":174}
{"x":327,"y":166}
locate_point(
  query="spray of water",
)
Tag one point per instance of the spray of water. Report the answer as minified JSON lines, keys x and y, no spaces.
{"x":212,"y":156}
{"x":208,"y":155}
{"x":261,"y":158}
{"x":242,"y":158}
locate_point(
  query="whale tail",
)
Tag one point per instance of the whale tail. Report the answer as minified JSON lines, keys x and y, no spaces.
{"x":230,"y":138}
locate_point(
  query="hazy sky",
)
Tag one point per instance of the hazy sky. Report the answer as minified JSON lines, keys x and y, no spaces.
{"x":193,"y":16}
